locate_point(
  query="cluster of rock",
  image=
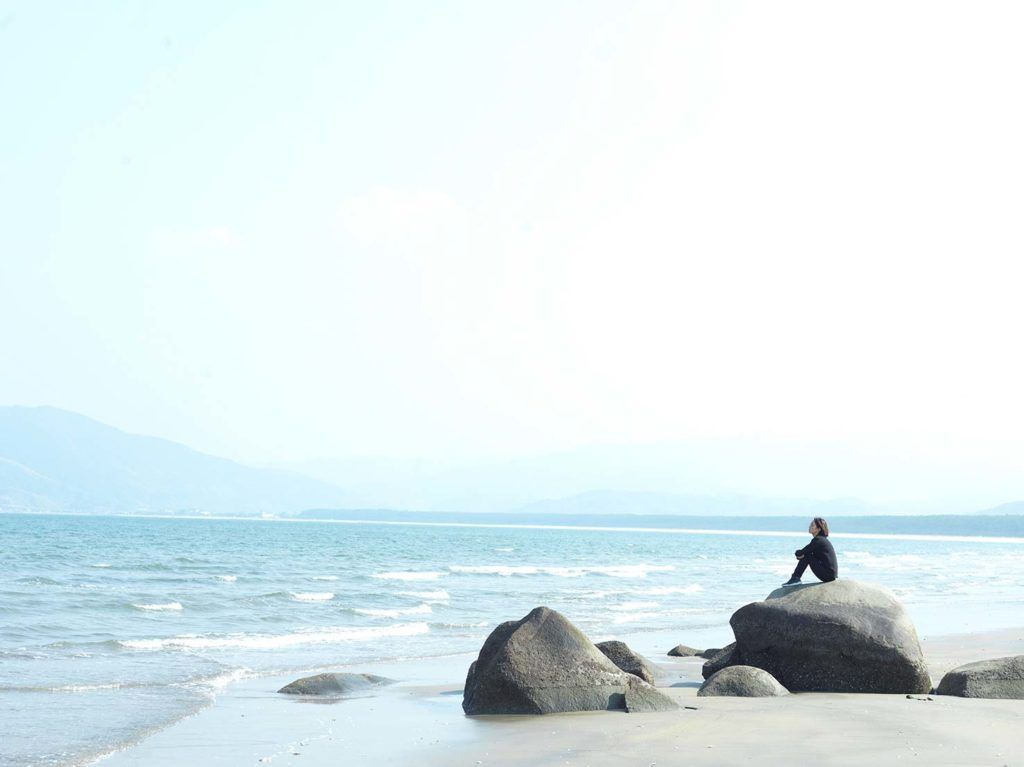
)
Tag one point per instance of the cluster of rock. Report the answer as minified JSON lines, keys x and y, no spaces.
{"x":841,"y":636}
{"x":543,"y":664}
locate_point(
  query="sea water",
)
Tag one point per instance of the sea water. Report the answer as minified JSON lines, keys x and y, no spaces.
{"x":114,"y":627}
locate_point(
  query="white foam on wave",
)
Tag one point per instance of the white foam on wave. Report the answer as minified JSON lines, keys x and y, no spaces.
{"x":313,"y":596}
{"x":325,"y":577}
{"x":100,"y":564}
{"x":633,"y":617}
{"x":227,"y":578}
{"x":275,"y":641}
{"x":165,"y":607}
{"x":423,"y":609}
{"x":886,"y":562}
{"x":83,"y":687}
{"x":626,"y":606}
{"x":409,"y":576}
{"x":614,"y":571}
{"x":693,"y":588}
{"x":431,"y":597}
{"x":219,"y":681}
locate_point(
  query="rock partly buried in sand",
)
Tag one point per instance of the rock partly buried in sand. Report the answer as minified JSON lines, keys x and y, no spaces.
{"x":717,"y":660}
{"x":627,"y":660}
{"x":709,"y":653}
{"x":997,"y":678}
{"x":543,"y":664}
{"x":841,"y":636}
{"x":682,"y":651}
{"x":334,"y":684}
{"x":741,"y":682}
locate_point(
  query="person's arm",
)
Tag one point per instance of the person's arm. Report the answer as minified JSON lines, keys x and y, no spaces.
{"x":812,"y":546}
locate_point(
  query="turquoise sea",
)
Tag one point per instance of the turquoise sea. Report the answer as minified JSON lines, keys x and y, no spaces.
{"x":114,"y":627}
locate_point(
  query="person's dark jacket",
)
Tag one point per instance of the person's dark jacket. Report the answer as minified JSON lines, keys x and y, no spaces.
{"x":821,"y":557}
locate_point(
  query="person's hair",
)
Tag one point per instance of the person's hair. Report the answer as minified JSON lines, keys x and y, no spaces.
{"x":822,"y":526}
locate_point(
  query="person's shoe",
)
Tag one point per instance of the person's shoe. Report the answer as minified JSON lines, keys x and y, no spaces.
{"x":792,"y":582}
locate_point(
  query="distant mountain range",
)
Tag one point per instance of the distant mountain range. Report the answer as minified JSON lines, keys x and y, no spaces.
{"x":625,"y":502}
{"x":55,"y":460}
{"x":1013,"y":507}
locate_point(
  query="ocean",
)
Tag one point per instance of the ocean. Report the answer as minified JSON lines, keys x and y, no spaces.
{"x":112,"y":628}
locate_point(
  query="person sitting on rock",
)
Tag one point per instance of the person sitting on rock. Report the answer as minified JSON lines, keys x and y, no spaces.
{"x":818,"y":555}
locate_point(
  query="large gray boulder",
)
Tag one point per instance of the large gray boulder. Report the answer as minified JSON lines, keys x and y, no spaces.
{"x":841,"y":636}
{"x":334,"y":684}
{"x":741,"y":682}
{"x":997,"y":678}
{"x":543,"y":664}
{"x":627,"y":660}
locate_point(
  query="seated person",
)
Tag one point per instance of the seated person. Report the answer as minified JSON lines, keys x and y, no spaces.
{"x":818,"y":555}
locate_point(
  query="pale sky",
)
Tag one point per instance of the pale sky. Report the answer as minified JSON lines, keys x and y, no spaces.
{"x":279,"y":231}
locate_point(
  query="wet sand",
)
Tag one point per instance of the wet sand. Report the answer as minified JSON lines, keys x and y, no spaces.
{"x":420,"y":722}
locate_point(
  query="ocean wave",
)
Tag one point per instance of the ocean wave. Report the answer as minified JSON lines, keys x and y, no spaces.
{"x":423,"y":609}
{"x":165,"y":607}
{"x":618,"y":620}
{"x":431,"y":597}
{"x":312,"y":596}
{"x":886,"y":562}
{"x":38,"y":581}
{"x":324,"y":578}
{"x":227,"y":578}
{"x":476,"y":625}
{"x":409,"y":576}
{"x":614,"y":571}
{"x":627,"y":606}
{"x":74,"y":687}
{"x":100,"y":564}
{"x":693,"y":588}
{"x":274,"y":641}
{"x":218,"y":681}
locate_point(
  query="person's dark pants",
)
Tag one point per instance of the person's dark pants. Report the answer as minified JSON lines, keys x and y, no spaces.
{"x":821,"y":573}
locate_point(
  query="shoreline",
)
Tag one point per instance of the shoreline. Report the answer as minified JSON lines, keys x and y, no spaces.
{"x":419,"y":721}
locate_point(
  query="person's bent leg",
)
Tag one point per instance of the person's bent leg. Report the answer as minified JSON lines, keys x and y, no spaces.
{"x":801,"y":566}
{"x":822,"y":573}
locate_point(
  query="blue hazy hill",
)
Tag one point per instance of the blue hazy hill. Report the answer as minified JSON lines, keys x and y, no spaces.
{"x":55,"y":460}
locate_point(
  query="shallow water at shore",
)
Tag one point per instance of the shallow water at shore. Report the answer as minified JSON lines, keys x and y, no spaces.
{"x":115,"y":627}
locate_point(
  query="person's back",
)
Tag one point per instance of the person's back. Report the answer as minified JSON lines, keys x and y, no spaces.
{"x":819,"y":555}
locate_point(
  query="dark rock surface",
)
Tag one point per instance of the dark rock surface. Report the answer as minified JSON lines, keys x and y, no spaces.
{"x":718,"y":661}
{"x":710,"y":653}
{"x":543,"y":664}
{"x":741,"y":682}
{"x":997,"y":678}
{"x":841,"y":636}
{"x":627,"y":660}
{"x":682,"y":651}
{"x":334,"y":684}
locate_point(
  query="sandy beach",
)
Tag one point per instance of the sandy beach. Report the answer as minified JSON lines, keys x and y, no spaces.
{"x":419,"y":721}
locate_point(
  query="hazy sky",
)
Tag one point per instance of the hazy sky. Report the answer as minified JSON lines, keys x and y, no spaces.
{"x":279,"y":230}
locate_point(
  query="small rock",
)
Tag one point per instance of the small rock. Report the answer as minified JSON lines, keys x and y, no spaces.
{"x":334,"y":684}
{"x":997,"y":678}
{"x":620,"y":654}
{"x":683,"y":651}
{"x":741,"y":682}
